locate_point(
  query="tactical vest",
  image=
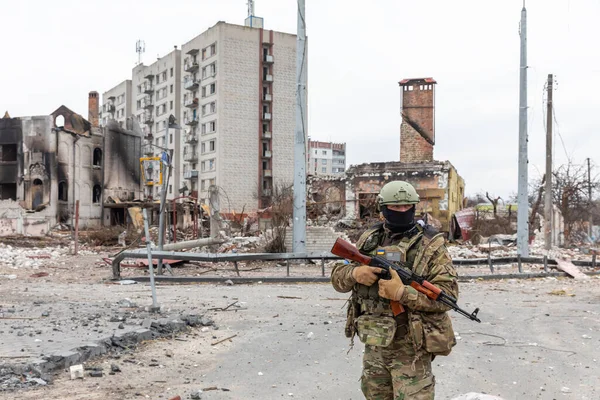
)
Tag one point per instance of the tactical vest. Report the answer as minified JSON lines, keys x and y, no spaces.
{"x":416,"y":252}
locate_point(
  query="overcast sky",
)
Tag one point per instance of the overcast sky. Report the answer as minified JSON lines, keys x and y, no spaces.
{"x":55,"y":52}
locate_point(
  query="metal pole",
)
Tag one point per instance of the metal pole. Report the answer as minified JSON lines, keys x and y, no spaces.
{"x":548,"y":188}
{"x":215,"y":209}
{"x":523,"y":204}
{"x":174,"y":221}
{"x":163,"y":204}
{"x":155,"y":306}
{"x":590,"y":198}
{"x":76,"y":227}
{"x":299,"y":214}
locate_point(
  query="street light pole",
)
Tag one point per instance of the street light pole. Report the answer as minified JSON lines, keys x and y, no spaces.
{"x":163,"y":197}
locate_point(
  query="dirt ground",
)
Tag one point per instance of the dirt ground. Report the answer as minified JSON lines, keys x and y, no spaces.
{"x":538,"y":338}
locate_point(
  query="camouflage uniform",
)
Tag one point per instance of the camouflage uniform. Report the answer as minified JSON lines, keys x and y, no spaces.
{"x":397,"y":364}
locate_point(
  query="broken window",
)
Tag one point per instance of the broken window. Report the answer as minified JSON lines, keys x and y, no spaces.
{"x":97,"y":161}
{"x":8,"y":152}
{"x":8,"y":191}
{"x":59,"y":121}
{"x":96,"y":194}
{"x":37,"y":193}
{"x":63,"y":191}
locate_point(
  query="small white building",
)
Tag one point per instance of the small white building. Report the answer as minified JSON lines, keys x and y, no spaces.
{"x":326,"y":158}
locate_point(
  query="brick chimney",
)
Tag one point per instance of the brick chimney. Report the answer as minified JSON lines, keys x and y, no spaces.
{"x":417,"y":130}
{"x":93,"y":109}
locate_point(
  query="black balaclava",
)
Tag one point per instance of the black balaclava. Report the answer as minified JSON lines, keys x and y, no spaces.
{"x":398,"y":221}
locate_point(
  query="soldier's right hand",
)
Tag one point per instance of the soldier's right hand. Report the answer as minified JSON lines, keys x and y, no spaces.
{"x":366,"y":275}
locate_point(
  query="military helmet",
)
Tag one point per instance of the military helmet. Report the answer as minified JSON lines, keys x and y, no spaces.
{"x":397,"y":193}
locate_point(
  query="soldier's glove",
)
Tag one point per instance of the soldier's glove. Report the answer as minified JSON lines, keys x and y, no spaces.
{"x":366,"y":275}
{"x":392,"y":289}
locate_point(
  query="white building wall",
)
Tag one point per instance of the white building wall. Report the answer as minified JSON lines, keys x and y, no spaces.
{"x":284,"y":107}
{"x":116,"y":104}
{"x":165,"y":97}
{"x":239,"y":143}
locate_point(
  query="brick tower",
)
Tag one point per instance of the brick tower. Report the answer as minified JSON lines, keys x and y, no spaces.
{"x":417,"y":130}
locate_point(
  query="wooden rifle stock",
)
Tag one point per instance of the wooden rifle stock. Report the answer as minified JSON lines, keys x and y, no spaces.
{"x":346,"y":250}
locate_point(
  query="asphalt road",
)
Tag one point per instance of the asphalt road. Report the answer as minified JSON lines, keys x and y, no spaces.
{"x":538,"y":339}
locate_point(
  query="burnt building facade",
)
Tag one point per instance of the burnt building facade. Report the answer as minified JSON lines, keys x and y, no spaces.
{"x":50,"y":162}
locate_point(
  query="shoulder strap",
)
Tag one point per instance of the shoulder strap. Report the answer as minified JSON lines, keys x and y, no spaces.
{"x":369,"y":240}
{"x":429,"y":246}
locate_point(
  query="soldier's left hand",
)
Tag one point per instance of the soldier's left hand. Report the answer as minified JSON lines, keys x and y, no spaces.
{"x":393,"y":288}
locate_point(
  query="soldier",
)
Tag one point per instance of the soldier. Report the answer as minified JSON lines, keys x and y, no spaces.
{"x":399,"y":349}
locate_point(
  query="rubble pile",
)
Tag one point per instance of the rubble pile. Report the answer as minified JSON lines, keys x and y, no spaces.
{"x":34,"y":258}
{"x":506,"y":246}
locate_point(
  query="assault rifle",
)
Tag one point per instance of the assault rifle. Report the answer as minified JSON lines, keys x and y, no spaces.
{"x":346,"y":250}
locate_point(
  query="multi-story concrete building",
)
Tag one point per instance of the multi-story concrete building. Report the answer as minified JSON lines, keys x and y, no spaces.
{"x":239,"y":113}
{"x":232,"y":91}
{"x":326,"y":158}
{"x":116,"y":104}
{"x":156,"y":96}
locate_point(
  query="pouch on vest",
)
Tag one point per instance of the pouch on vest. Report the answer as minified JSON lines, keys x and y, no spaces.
{"x":376,"y":330}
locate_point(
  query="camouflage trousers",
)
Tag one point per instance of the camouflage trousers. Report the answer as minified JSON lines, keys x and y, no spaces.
{"x":389,"y":372}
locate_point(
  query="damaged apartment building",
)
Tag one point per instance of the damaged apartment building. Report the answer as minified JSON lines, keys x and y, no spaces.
{"x":438,"y":183}
{"x":49,"y":162}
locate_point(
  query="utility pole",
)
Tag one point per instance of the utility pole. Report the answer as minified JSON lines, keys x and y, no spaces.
{"x":299,"y":214}
{"x":591,"y":217}
{"x":548,"y":188}
{"x":522,"y":198}
{"x":167,"y":159}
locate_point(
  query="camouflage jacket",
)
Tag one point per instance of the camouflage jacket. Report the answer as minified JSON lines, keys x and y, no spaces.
{"x":425,"y":253}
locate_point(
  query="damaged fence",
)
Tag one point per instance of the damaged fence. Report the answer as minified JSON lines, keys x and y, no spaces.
{"x":326,"y":256}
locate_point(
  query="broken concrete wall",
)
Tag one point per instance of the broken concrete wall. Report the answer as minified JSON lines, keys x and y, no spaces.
{"x":14,"y":221}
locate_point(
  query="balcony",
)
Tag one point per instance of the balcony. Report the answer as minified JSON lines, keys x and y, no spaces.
{"x":267,"y":173}
{"x":191,"y":138}
{"x":190,"y":83}
{"x":267,"y":116}
{"x":267,"y":192}
{"x":267,"y":135}
{"x":110,"y":107}
{"x":267,"y":97}
{"x":268,"y":59}
{"x":148,"y":133}
{"x":191,"y":121}
{"x":190,"y":156}
{"x":149,"y":150}
{"x":190,"y":66}
{"x":191,"y":102}
{"x":147,"y":102}
{"x":148,"y":118}
{"x":192,"y":174}
{"x":268,"y":78}
{"x":148,"y":87}
{"x":267,"y":154}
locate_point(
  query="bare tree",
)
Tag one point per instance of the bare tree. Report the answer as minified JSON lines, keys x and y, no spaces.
{"x":281,"y":210}
{"x":535,"y":201}
{"x":474,"y":200}
{"x":570,"y":194}
{"x":494,"y":203}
